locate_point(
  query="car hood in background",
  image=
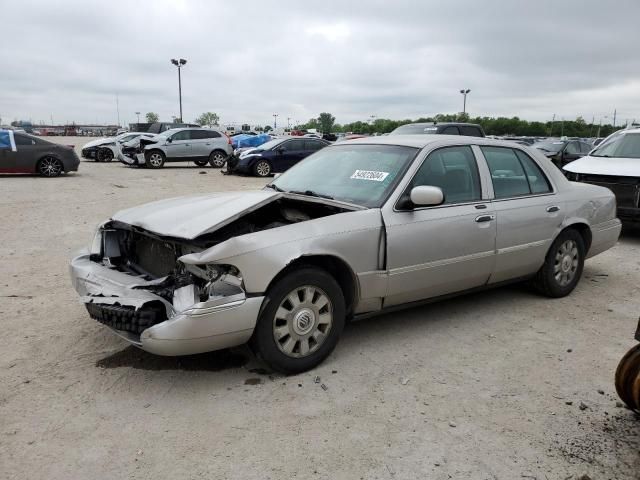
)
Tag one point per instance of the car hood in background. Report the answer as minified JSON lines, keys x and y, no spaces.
{"x":99,"y":141}
{"x":190,"y":217}
{"x":621,"y":167}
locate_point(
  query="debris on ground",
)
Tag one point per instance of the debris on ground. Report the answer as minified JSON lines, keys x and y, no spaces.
{"x":324,"y":387}
{"x":452,"y":425}
{"x":404,"y":380}
{"x":316,"y":379}
{"x":253,"y":381}
{"x":583,"y":406}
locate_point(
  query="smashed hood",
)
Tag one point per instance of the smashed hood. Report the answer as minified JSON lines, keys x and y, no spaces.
{"x":190,"y":217}
{"x":620,"y":167}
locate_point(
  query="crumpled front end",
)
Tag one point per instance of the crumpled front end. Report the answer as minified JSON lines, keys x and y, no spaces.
{"x":133,"y":283}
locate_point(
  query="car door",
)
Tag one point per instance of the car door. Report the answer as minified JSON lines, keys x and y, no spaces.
{"x":433,"y":251}
{"x":571,"y":152}
{"x":179,"y":146}
{"x":200,"y":144}
{"x":288,"y":154}
{"x":24,"y":157}
{"x":528,"y":211}
{"x":312,"y":146}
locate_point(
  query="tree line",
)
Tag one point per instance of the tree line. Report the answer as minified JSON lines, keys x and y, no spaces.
{"x":500,"y":126}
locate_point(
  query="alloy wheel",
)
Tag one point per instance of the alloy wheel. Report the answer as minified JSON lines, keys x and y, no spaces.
{"x":263,"y":168}
{"x":155,"y":159}
{"x":50,"y":167}
{"x":217,"y":160}
{"x":302,"y":321}
{"x":566,"y":263}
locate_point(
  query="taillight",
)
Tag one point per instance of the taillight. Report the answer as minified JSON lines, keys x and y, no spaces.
{"x":228,"y":139}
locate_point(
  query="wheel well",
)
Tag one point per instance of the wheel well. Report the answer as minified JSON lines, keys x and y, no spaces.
{"x":335,"y":266}
{"x":219,"y":150}
{"x":149,"y":152}
{"x":584,"y":231}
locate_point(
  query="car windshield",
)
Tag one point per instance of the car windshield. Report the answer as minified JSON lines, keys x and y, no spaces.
{"x":622,"y":146}
{"x":415,"y":129}
{"x":549,"y":146}
{"x":359,"y":174}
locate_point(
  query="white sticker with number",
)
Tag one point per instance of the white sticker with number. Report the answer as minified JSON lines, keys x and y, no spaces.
{"x":369,"y":175}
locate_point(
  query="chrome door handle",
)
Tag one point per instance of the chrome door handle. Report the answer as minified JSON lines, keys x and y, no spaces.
{"x":553,"y":208}
{"x":485,"y":218}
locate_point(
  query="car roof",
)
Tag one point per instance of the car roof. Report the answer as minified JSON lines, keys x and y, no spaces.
{"x":421,"y":141}
{"x":441,"y":124}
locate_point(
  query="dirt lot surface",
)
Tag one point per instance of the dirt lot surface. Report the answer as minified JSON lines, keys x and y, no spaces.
{"x":503,"y":384}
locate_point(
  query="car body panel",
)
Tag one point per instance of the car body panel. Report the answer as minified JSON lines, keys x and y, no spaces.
{"x":393,"y":256}
{"x":190,"y":217}
{"x":619,"y":167}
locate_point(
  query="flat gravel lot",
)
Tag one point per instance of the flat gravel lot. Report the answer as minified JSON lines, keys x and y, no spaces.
{"x":486,"y":386}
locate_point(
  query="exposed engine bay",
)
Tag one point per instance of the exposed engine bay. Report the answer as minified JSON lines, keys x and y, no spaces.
{"x":154,"y":258}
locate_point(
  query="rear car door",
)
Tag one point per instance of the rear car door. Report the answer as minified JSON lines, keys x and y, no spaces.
{"x":528,"y":211}
{"x":433,"y":251}
{"x":179,"y":148}
{"x":25,"y":156}
{"x":200,"y":144}
{"x":571,"y":152}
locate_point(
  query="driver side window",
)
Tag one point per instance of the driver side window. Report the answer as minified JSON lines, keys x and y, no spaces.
{"x":455,"y":171}
{"x":184,"y":135}
{"x":572,"y":148}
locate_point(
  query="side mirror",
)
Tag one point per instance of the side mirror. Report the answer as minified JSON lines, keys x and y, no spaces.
{"x":426,"y":196}
{"x":280,"y":150}
{"x":169,"y":140}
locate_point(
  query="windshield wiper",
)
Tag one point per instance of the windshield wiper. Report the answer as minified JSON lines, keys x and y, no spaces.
{"x":311,"y":193}
{"x":275,"y":187}
{"x":605,"y":156}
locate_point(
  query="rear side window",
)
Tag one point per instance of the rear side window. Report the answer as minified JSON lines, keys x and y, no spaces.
{"x":572,"y":148}
{"x":292,"y":146}
{"x":203,"y":134}
{"x":585,"y":147}
{"x":470,"y":131}
{"x":312,"y":145}
{"x":513,"y":173}
{"x":450,"y":131}
{"x":538,"y":182}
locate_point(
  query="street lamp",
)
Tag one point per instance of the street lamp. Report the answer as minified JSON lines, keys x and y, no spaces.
{"x":275,"y":117}
{"x":464,"y":102}
{"x":138,"y":115}
{"x":179,"y":64}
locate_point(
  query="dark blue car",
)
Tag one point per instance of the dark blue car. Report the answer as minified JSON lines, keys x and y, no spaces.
{"x":275,"y":156}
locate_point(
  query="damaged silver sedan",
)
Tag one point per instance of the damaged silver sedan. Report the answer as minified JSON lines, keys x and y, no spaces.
{"x":358,"y":228}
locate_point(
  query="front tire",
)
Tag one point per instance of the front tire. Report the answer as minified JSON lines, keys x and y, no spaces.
{"x":50,"y":167}
{"x":155,"y":159}
{"x":628,"y":379}
{"x":217,"y":159}
{"x":262,"y":168}
{"x":301,"y":321}
{"x":563,"y":265}
{"x":104,"y":155}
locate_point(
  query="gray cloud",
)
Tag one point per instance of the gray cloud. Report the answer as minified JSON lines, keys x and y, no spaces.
{"x":399,"y":59}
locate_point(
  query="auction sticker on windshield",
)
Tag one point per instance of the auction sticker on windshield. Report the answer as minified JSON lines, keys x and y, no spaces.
{"x":369,"y":175}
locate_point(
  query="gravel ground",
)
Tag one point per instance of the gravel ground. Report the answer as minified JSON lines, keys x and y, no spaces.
{"x":491,"y":385}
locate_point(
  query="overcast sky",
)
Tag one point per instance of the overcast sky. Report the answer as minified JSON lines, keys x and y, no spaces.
{"x":248,"y":60}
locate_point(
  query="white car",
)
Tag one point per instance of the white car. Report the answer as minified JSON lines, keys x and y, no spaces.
{"x":614,"y":164}
{"x":106,"y":149}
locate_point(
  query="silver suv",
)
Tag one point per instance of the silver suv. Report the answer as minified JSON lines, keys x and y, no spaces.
{"x":197,"y":145}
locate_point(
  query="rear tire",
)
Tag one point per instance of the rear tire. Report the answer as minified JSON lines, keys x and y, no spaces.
{"x":217,"y":159}
{"x":262,"y":168}
{"x":50,"y":167}
{"x":563,"y":265}
{"x":301,"y":320}
{"x":155,"y":159}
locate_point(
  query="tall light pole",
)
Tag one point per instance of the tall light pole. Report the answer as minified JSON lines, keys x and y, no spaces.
{"x":275,"y":117}
{"x":288,"y":122}
{"x":138,"y":115}
{"x":464,"y":101}
{"x":179,"y":63}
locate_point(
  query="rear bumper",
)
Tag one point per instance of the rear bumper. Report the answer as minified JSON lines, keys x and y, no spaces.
{"x":604,"y":236}
{"x":150,"y":322}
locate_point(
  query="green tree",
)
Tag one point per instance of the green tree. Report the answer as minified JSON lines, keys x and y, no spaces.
{"x":326,"y":121}
{"x":208,"y":119}
{"x":152,"y":117}
{"x":268,"y":128}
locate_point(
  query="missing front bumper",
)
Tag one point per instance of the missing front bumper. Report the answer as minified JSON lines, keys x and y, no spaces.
{"x":117,"y":300}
